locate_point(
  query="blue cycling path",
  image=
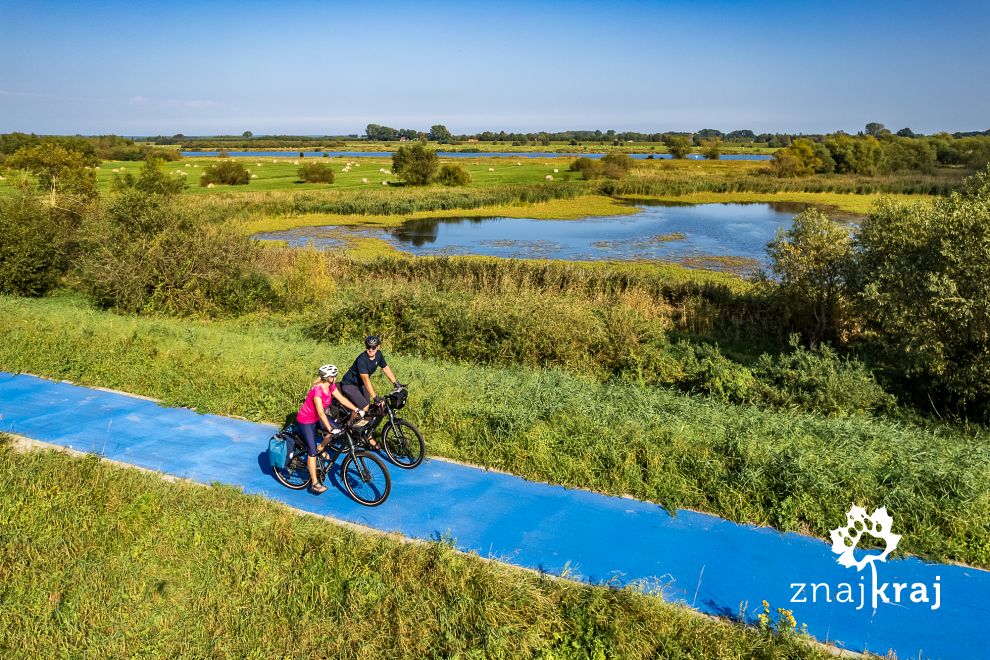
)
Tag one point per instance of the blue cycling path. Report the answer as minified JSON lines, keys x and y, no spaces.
{"x":717,"y":566}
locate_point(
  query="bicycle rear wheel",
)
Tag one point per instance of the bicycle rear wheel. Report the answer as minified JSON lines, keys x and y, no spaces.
{"x":403,"y":444}
{"x":295,"y":474}
{"x":366,"y":478}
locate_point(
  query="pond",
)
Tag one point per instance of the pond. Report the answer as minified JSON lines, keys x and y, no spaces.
{"x":729,"y":237}
{"x":451,"y":154}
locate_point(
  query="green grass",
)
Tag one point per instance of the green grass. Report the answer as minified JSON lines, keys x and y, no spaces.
{"x":787,"y":469}
{"x":105,"y":561}
{"x":282,"y":173}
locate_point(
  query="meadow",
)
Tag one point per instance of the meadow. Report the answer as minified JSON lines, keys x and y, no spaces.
{"x":277,"y":191}
{"x":113,"y":562}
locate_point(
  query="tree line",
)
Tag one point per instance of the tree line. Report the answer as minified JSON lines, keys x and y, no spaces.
{"x":883,"y":153}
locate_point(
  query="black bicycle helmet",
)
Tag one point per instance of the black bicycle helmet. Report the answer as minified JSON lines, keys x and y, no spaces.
{"x":371,"y":341}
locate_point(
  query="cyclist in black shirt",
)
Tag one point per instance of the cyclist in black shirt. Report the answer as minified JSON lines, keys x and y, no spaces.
{"x":356,"y":383}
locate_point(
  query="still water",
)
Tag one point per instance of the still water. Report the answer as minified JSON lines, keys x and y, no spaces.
{"x":719,"y":236}
{"x":450,"y":154}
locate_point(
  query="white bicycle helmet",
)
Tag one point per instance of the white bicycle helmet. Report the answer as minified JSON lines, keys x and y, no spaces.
{"x":328,"y":371}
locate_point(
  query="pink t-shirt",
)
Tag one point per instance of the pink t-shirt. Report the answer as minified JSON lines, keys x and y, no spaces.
{"x":307,"y":414}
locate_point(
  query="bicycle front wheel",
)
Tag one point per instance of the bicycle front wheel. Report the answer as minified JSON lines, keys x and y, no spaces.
{"x":403,"y":444}
{"x":366,"y":478}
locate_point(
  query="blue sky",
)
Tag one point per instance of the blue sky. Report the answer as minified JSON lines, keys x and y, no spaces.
{"x":171,"y":66}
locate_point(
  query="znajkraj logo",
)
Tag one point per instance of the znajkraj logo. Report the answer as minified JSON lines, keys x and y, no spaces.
{"x":845,"y":539}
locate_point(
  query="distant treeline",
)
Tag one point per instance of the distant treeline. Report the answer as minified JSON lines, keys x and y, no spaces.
{"x":884,"y":153}
{"x":439,"y":133}
{"x":94,"y":148}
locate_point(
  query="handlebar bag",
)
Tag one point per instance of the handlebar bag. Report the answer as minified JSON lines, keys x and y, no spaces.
{"x":398,"y":399}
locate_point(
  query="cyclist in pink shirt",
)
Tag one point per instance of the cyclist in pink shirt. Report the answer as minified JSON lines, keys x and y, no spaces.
{"x":313,"y":412}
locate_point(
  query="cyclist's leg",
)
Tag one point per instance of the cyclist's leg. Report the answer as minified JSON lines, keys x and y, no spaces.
{"x":308,"y":432}
{"x":356,"y":394}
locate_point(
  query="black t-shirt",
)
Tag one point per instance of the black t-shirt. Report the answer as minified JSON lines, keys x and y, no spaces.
{"x":363,"y":365}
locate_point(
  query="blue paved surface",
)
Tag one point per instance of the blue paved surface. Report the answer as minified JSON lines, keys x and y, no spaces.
{"x":701,"y":560}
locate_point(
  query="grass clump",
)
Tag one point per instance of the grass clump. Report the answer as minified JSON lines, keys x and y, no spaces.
{"x":119,"y":563}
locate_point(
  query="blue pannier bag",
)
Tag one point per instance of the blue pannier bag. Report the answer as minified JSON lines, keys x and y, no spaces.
{"x":278,"y":451}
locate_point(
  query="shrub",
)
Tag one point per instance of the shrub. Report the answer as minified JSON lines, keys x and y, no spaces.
{"x":34,"y":245}
{"x":615,"y":165}
{"x":453,"y":175}
{"x":144,"y":255}
{"x":820,"y":381}
{"x":316,"y":173}
{"x":812,"y":261}
{"x":226,"y":172}
{"x":152,"y":178}
{"x":923,"y":274}
{"x":704,"y":370}
{"x":588,"y":167}
{"x":415,"y":164}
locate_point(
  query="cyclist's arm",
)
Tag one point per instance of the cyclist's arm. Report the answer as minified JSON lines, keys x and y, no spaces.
{"x":388,"y":374}
{"x":321,"y":413}
{"x":368,"y":387}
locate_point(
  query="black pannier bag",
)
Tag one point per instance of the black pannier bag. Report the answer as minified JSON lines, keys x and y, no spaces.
{"x":397,"y":399}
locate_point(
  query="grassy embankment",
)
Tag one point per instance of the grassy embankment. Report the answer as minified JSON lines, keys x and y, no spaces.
{"x":112,"y":562}
{"x":791,"y":470}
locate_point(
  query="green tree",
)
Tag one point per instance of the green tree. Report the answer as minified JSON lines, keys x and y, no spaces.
{"x":381,"y":133}
{"x":811,"y":262}
{"x":416,"y":164}
{"x":439,"y":133}
{"x":60,"y":171}
{"x":802,"y":158}
{"x":712,"y":148}
{"x":679,"y":146}
{"x":859,"y":155}
{"x":247,"y":134}
{"x":876,"y":129}
{"x":924,"y":284}
{"x":907,"y":155}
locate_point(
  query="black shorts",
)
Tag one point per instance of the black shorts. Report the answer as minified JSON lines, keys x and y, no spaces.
{"x":356,"y":394}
